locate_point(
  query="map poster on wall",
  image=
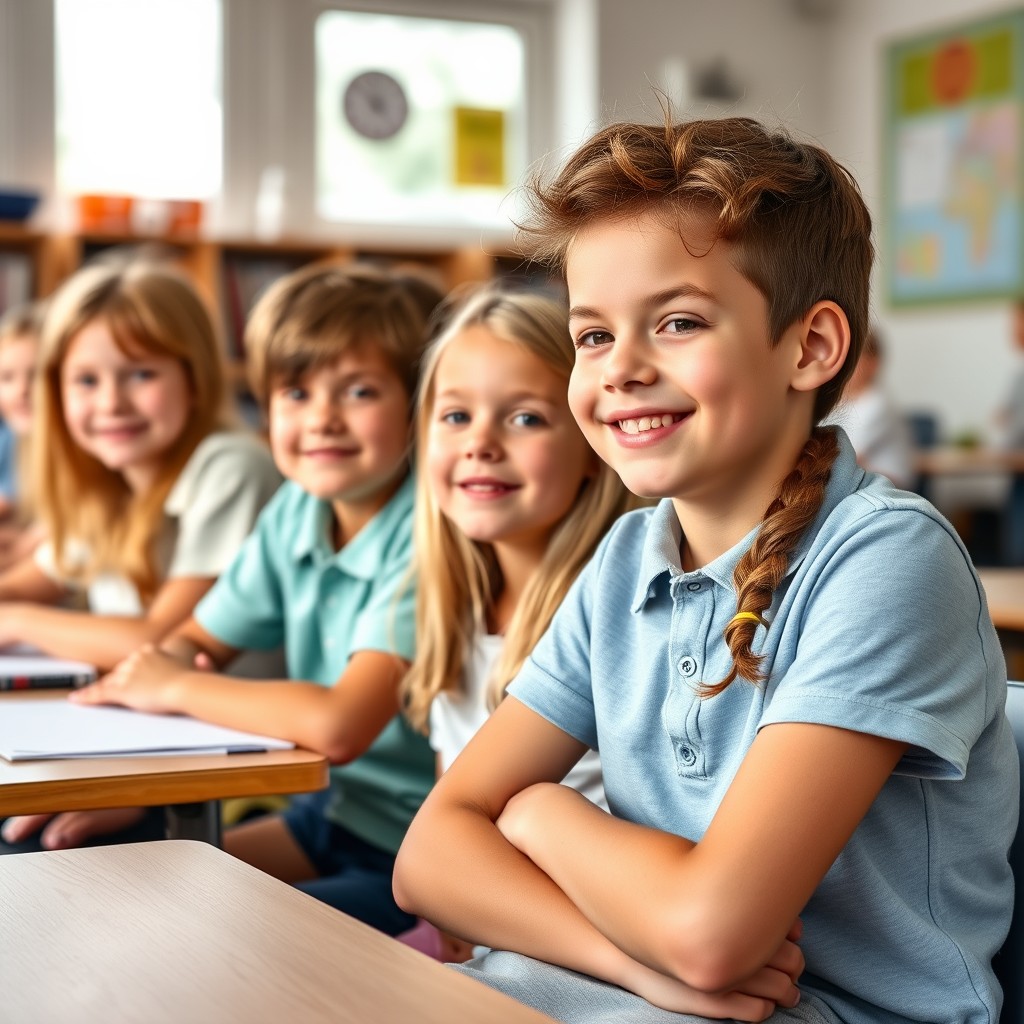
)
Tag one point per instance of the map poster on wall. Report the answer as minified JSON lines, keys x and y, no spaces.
{"x":954,"y":219}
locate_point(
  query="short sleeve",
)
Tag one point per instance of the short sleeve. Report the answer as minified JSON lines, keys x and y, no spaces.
{"x":226,"y":492}
{"x":893,"y":640}
{"x":387,"y":622}
{"x":555,"y":680}
{"x":245,"y":607}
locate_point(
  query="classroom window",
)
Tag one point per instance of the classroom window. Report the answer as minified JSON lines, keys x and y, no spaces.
{"x":138,"y":97}
{"x":419,"y":120}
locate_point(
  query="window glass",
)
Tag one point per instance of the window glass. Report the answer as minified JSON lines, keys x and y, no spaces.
{"x":139,"y":97}
{"x":419,"y":120}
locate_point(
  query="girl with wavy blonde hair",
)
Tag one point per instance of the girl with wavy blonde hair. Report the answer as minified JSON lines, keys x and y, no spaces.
{"x":144,"y":491}
{"x":492,"y":388}
{"x":784,"y":664}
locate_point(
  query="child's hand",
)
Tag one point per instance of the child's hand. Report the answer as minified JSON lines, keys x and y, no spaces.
{"x":753,"y":999}
{"x":71,"y":829}
{"x":453,"y":949}
{"x":145,"y":681}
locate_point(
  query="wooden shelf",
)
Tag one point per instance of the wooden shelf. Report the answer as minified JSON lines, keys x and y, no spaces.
{"x":214,"y":264}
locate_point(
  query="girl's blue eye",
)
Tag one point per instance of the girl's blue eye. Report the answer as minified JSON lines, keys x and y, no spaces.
{"x":528,"y":419}
{"x":362,"y":391}
{"x":295,"y":394}
{"x":144,"y":373}
{"x":456,"y":418}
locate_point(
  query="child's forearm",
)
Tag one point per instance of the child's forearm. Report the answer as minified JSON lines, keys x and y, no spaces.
{"x":494,"y":895}
{"x":551,"y":824}
{"x":286,"y":708}
{"x":25,"y":581}
{"x":102,"y":640}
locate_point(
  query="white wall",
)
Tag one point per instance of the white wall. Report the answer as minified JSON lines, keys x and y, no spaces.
{"x":955,"y":359}
{"x":778,"y":57}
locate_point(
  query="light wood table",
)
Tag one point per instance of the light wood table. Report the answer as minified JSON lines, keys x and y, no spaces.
{"x":1004,"y":589}
{"x":180,"y":931}
{"x":950,"y":460}
{"x":188,"y":786}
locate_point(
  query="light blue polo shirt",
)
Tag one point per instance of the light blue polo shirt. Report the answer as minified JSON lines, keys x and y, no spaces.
{"x":8,"y":462}
{"x":880,"y":626}
{"x":289,"y":586}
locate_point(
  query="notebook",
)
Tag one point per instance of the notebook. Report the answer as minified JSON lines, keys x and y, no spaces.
{"x":24,"y":668}
{"x":36,"y":729}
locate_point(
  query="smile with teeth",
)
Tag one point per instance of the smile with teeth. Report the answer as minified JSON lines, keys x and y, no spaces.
{"x":644,"y":423}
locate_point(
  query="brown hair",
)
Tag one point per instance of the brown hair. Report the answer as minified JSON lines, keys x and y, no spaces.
{"x":144,"y":306}
{"x":308,"y":318}
{"x":801,"y":234}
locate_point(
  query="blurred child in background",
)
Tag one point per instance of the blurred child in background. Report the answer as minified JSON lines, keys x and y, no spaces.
{"x":19,"y":353}
{"x":145,"y":492}
{"x":876,"y":428}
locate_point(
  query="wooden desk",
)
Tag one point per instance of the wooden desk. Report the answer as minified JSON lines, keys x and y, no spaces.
{"x":189,"y":786}
{"x":955,"y":461}
{"x":180,"y":931}
{"x":1004,"y":589}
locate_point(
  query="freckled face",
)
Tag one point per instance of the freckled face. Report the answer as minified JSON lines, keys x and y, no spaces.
{"x":505,"y":458}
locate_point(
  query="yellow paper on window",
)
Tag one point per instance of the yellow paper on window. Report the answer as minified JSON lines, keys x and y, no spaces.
{"x":479,"y":146}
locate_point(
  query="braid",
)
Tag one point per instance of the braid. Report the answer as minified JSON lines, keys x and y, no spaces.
{"x":761,"y":570}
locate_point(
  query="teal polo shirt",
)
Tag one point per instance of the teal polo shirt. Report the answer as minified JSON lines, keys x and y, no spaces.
{"x":288,"y":586}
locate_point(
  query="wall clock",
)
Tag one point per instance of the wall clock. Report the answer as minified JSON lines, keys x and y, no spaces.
{"x":374,"y":104}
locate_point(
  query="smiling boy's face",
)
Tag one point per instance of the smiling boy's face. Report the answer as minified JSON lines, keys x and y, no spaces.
{"x":676,"y":384}
{"x":341,"y":432}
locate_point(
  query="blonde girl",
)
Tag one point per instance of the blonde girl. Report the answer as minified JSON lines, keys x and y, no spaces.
{"x":510,"y":504}
{"x":788,"y":665}
{"x":144,"y":491}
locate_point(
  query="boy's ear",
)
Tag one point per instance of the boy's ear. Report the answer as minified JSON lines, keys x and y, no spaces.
{"x":824,"y":338}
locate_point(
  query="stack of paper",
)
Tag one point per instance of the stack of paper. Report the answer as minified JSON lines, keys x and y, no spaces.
{"x":35,"y":729}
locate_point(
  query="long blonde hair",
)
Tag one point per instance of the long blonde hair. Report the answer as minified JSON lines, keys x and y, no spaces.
{"x":145,"y":306}
{"x":458,"y":579}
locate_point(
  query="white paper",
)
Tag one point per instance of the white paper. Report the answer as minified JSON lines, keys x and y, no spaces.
{"x":33,"y":729}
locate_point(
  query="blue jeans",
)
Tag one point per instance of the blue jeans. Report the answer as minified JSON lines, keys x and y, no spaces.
{"x":355,"y":876}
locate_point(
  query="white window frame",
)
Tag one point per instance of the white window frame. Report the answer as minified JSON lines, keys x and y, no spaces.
{"x":270,"y":100}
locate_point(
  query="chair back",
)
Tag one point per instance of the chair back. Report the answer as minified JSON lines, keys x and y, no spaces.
{"x":1009,"y":961}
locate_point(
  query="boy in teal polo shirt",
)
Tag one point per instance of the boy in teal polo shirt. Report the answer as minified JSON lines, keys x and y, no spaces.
{"x":333,"y":355}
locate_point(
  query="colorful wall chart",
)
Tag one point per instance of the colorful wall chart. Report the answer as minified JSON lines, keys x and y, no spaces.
{"x":954,"y":161}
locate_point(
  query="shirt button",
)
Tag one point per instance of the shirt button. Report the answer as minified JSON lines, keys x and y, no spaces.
{"x":694,"y":585}
{"x":687,"y":756}
{"x":329,"y":642}
{"x":687,"y":666}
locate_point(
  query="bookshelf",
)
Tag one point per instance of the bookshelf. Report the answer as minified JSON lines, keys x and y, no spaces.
{"x":229,"y":272}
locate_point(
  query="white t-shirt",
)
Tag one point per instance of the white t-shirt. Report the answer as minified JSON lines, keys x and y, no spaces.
{"x":455,"y":717}
{"x":209,"y":512}
{"x":879,"y":434}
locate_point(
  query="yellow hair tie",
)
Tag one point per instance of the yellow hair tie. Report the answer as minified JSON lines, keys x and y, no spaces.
{"x":752,"y":616}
